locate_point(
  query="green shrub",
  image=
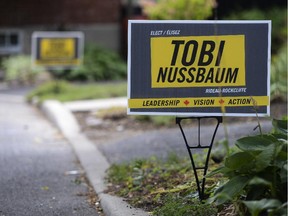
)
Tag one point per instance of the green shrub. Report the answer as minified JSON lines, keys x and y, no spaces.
{"x":279,"y":75}
{"x":279,"y":45}
{"x":181,"y":9}
{"x":257,"y":173}
{"x":279,"y":23}
{"x":19,"y":69}
{"x":99,"y":64}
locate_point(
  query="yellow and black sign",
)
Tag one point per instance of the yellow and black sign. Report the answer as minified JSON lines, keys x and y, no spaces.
{"x":57,"y":49}
{"x":254,"y":101}
{"x":199,"y":68}
{"x":197,"y":61}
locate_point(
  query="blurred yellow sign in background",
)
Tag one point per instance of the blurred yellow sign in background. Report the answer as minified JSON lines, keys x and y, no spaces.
{"x":57,"y":49}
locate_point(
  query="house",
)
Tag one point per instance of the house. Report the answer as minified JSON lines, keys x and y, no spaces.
{"x":100,"y":21}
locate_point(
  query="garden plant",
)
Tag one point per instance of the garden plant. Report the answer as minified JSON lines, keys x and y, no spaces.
{"x":257,"y":174}
{"x":252,"y":180}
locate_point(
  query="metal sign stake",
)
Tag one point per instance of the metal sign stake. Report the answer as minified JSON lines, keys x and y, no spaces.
{"x":200,"y":184}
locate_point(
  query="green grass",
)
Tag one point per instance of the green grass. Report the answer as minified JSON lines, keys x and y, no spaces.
{"x":64,"y":91}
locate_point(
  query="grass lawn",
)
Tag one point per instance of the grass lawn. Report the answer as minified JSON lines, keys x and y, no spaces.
{"x":64,"y":91}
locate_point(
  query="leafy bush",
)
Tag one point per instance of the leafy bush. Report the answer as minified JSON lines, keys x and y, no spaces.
{"x":279,"y":75}
{"x":279,"y":23}
{"x":99,"y":64}
{"x":181,"y":9}
{"x":257,"y":173}
{"x":18,"y":69}
{"x":279,"y":44}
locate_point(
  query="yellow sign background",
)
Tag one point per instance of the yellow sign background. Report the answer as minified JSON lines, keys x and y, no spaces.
{"x":233,"y":56}
{"x":57,"y":48}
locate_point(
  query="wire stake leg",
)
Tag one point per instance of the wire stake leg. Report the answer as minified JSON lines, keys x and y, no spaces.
{"x":200,"y":184}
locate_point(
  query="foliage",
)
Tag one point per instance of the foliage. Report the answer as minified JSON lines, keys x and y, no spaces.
{"x":279,"y":75}
{"x":65,"y":91}
{"x":184,"y":207}
{"x":52,"y":87}
{"x":278,"y":16}
{"x":257,"y":173}
{"x":157,"y":120}
{"x":115,"y":113}
{"x":279,"y":45}
{"x":99,"y":64}
{"x":158,"y":185}
{"x":19,"y":69}
{"x":180,"y":9}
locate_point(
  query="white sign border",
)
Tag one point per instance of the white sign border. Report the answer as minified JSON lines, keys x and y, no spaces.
{"x":196,"y":114}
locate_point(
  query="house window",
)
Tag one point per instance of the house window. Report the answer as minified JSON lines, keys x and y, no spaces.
{"x":10,"y":42}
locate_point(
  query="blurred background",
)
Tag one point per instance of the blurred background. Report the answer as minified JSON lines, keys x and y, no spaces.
{"x":104,"y":24}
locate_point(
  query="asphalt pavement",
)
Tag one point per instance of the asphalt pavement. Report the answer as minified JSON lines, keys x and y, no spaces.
{"x":40,"y":173}
{"x":161,"y":143}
